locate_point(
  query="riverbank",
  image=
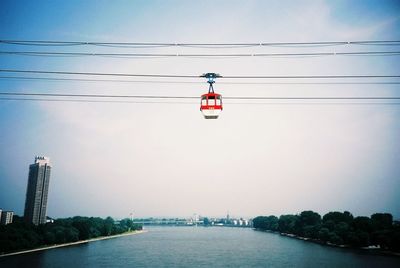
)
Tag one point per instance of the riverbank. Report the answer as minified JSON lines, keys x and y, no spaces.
{"x":371,"y":250}
{"x":72,"y":243}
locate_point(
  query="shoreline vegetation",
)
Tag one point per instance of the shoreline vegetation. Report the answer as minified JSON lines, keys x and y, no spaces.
{"x":369,"y":249}
{"x":73,"y":243}
{"x":377,"y":234}
{"x":20,"y":236}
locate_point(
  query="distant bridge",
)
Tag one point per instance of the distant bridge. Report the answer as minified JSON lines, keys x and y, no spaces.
{"x":165,"y":222}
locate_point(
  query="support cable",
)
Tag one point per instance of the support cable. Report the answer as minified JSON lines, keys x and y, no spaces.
{"x":199,"y":76}
{"x":157,"y":55}
{"x":192,"y":103}
{"x":192,"y":82}
{"x":195,"y":97}
{"x":196,"y":45}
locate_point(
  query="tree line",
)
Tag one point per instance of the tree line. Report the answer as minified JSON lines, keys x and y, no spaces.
{"x":338,"y":228}
{"x":20,"y":235}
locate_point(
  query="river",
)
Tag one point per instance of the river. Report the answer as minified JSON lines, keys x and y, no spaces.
{"x":200,"y":247}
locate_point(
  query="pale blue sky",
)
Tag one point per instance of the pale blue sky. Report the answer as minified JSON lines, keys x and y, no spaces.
{"x":165,"y":159}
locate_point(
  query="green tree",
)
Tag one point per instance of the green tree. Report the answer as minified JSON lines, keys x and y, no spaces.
{"x":382,"y":225}
{"x":382,"y":221}
{"x":83,"y":226}
{"x":59,"y":234}
{"x":358,"y":238}
{"x":286,"y":223}
{"x":362,"y":224}
{"x":71,"y":234}
{"x":335,"y":239}
{"x":342,"y":229}
{"x":21,"y":235}
{"x":394,"y":243}
{"x":266,"y":223}
{"x":323,"y":234}
{"x":337,"y":217}
{"x":49,"y":238}
{"x":107,"y":226}
{"x":308,"y":224}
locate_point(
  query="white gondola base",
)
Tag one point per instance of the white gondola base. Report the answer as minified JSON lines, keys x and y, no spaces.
{"x":211,"y":113}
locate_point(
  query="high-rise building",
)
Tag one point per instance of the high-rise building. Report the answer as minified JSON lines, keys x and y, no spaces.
{"x":37,"y":191}
{"x":6,"y":217}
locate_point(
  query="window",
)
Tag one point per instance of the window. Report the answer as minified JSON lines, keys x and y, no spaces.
{"x":211,"y":100}
{"x":219,"y":101}
{"x":203,"y":101}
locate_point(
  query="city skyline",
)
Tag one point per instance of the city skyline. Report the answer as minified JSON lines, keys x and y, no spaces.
{"x":160,"y":157}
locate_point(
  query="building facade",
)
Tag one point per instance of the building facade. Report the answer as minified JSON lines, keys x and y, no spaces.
{"x":37,"y":191}
{"x":6,"y":217}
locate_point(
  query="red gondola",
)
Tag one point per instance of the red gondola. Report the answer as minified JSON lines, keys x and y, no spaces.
{"x":211,"y":103}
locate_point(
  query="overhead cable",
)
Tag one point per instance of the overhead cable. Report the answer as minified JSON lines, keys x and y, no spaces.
{"x":193,"y":82}
{"x":192,"y":103}
{"x":199,"y":76}
{"x":184,"y":44}
{"x":168,"y":55}
{"x":195,"y":97}
{"x":100,"y":74}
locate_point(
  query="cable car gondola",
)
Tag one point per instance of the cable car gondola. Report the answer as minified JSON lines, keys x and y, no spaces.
{"x":211,"y":102}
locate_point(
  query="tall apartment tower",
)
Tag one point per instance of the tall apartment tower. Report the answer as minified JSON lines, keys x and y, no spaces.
{"x":6,"y":217}
{"x":37,"y":191}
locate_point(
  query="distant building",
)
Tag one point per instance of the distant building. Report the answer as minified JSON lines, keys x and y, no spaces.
{"x":49,"y":220}
{"x":37,"y":191}
{"x":6,"y":217}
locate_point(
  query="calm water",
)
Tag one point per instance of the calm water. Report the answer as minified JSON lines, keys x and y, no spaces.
{"x":200,"y":247}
